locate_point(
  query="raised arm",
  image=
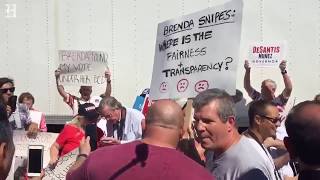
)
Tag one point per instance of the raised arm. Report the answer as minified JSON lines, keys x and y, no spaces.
{"x":246,"y":82}
{"x":107,"y":75}
{"x":286,"y":79}
{"x":60,"y":88}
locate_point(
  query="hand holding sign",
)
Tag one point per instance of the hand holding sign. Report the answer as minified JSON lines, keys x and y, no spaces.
{"x":107,"y":74}
{"x":57,"y":73}
{"x":283,"y":65}
{"x":246,"y":65}
{"x":266,"y":54}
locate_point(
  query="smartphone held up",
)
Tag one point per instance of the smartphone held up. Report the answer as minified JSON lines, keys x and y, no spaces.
{"x":35,"y":160}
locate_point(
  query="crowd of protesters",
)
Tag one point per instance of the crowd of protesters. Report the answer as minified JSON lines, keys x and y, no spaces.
{"x":129,"y":145}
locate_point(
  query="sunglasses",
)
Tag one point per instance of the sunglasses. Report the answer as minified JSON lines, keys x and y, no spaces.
{"x":273,"y":120}
{"x":5,"y":90}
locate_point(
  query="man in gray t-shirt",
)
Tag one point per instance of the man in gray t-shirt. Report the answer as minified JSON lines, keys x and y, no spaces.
{"x":240,"y":161}
{"x":235,"y":156}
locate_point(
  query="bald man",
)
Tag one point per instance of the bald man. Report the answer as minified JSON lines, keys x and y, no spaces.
{"x":154,"y":157}
{"x":303,"y":141}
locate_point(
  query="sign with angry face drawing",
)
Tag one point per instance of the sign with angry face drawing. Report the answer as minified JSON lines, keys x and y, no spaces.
{"x":197,"y":52}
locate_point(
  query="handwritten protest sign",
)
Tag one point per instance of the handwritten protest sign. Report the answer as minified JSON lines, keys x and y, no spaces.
{"x":63,"y":165}
{"x":21,"y":142}
{"x":197,"y":51}
{"x":82,"y":67}
{"x":266,"y":54}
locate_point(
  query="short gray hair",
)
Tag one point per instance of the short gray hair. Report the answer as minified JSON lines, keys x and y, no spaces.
{"x":226,"y":105}
{"x":112,"y":102}
{"x":269,"y":80}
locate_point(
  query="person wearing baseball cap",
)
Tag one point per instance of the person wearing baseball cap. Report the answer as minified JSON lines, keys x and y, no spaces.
{"x":72,"y":133}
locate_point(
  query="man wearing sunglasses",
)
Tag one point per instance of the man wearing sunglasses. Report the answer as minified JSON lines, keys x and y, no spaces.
{"x":263,"y":122}
{"x":267,"y":92}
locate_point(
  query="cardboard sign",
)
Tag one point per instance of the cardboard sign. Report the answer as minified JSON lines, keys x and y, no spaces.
{"x":21,"y":142}
{"x":82,"y":68}
{"x":266,"y":54}
{"x":196,"y":52}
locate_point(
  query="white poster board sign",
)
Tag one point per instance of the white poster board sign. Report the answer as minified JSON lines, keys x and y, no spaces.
{"x":63,"y":165}
{"x":21,"y":142}
{"x":82,"y":68}
{"x":196,"y":52}
{"x":266,"y":54}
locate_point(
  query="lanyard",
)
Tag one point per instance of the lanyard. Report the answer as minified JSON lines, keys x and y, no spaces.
{"x":250,"y":133}
{"x":120,"y":125}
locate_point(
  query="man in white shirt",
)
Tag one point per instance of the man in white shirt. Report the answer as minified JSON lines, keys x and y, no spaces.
{"x":264,"y":119}
{"x":123,"y":124}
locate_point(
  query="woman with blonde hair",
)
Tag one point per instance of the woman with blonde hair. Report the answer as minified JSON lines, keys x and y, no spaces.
{"x":73,"y":132}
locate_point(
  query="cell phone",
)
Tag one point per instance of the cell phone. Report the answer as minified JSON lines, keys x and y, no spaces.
{"x":91,"y":130}
{"x":35,"y":160}
{"x":12,"y":102}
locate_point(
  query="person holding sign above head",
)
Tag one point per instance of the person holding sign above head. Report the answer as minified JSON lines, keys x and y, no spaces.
{"x":268,"y":87}
{"x":85,"y":92}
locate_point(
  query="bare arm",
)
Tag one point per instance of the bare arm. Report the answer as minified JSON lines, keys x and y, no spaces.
{"x":246,"y":82}
{"x":107,"y":75}
{"x":270,"y":142}
{"x":54,"y":154}
{"x":60,"y":88}
{"x":280,"y":161}
{"x":286,"y":79}
{"x":84,"y":149}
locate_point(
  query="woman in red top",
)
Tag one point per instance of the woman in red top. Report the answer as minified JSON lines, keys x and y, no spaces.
{"x":72,"y":133}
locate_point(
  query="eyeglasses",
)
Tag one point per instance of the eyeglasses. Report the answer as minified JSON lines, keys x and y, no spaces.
{"x":5,"y":90}
{"x":273,"y":120}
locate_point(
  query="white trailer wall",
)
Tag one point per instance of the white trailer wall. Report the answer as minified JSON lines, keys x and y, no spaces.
{"x":127,"y":31}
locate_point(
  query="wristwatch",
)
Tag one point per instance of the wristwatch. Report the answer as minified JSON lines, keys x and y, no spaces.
{"x":284,"y":72}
